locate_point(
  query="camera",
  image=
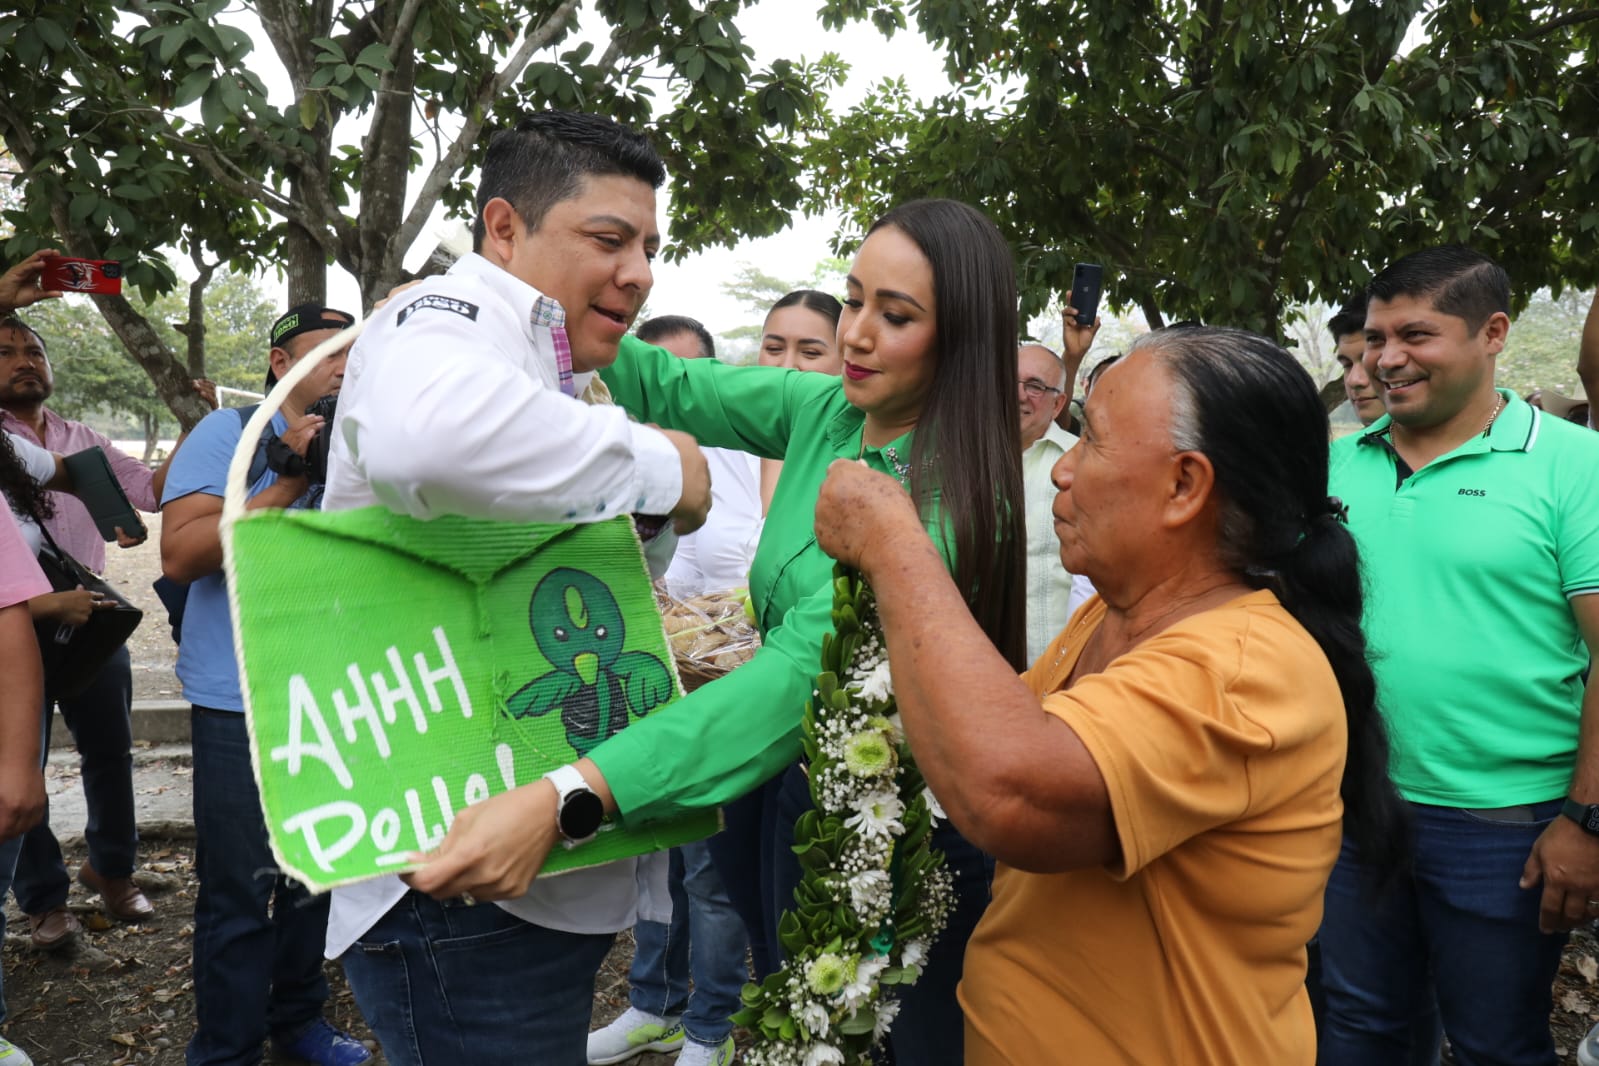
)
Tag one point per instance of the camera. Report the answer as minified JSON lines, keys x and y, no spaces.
{"x":314,"y":464}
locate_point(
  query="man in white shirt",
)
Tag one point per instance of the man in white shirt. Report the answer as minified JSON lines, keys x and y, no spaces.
{"x":1053,"y":593}
{"x":460,"y":398}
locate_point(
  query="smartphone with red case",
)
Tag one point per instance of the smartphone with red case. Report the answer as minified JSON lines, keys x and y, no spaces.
{"x":64,"y":274}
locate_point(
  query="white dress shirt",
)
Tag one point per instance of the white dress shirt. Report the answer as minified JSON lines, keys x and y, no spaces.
{"x":1053,"y":593}
{"x":452,"y":404}
{"x":717,"y":556}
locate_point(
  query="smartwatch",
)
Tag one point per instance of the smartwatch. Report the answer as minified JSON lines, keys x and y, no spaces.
{"x":1585,"y":815}
{"x":578,"y":811}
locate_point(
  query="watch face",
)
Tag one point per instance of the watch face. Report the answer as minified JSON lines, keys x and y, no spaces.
{"x":581,"y":815}
{"x":1590,"y":821}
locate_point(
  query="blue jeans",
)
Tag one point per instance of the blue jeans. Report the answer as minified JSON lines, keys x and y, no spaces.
{"x":1456,"y":930}
{"x":743,"y":852}
{"x":100,"y":719}
{"x":448,"y":983}
{"x":8,"y":866}
{"x":930,"y":1029}
{"x":258,"y":937}
{"x":706,"y":938}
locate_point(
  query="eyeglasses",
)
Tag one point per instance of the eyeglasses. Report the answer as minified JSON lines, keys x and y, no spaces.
{"x":1035,"y":388}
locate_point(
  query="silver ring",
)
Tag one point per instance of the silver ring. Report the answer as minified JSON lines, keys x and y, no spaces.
{"x":1593,"y":904}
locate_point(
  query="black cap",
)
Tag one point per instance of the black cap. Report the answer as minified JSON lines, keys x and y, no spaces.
{"x":304,"y":318}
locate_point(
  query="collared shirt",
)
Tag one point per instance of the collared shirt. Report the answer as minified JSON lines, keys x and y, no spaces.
{"x":669,"y":762}
{"x":1470,"y":564}
{"x":455,"y":402}
{"x":73,"y":527}
{"x":1053,"y":592}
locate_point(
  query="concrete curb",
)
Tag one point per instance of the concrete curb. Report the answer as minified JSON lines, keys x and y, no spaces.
{"x":154,"y":722}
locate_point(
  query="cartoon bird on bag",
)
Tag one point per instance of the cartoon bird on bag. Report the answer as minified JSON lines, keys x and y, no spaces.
{"x":578,"y":627}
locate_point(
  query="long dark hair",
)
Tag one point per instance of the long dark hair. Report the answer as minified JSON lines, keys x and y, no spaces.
{"x":966,"y":456}
{"x":1255,"y":414}
{"x":24,"y":494}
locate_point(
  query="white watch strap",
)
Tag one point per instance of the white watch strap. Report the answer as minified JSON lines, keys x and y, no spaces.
{"x":566,"y":779}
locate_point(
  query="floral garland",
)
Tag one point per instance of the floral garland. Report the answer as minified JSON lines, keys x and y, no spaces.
{"x":874,"y":894}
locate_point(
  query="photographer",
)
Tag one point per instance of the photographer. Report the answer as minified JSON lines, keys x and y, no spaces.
{"x":257,"y":936}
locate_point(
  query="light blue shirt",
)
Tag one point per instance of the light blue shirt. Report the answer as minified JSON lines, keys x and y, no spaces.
{"x":206,"y":666}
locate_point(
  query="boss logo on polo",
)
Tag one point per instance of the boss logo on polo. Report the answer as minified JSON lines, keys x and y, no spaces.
{"x":1473,"y":492}
{"x":437,"y":303}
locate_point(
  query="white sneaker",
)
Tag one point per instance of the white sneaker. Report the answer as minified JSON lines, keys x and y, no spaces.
{"x":11,"y":1055}
{"x":705,"y":1055}
{"x":634,"y":1033}
{"x":1587,"y":1050}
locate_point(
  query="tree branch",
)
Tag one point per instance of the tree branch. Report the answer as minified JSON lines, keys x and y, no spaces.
{"x":445,"y":169}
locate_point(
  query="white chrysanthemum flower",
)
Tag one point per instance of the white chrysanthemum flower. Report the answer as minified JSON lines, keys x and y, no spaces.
{"x":860,"y":988}
{"x":915,"y":952}
{"x":878,"y":685}
{"x":870,"y":891}
{"x":813,"y":1019}
{"x":869,"y":754}
{"x":934,"y":808}
{"x":886,"y":1012}
{"x":823,"y":1055}
{"x":877,"y":815}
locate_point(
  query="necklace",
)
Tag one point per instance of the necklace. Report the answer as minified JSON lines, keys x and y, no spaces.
{"x":1500,"y":406}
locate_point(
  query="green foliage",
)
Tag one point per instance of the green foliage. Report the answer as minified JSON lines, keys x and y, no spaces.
{"x":141,"y":126}
{"x":1225,"y":161}
{"x":97,"y":383}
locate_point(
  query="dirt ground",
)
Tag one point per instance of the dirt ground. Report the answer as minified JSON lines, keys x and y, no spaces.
{"x":125,"y":996}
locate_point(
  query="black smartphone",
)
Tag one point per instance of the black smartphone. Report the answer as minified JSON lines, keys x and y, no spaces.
{"x":1087,"y":279}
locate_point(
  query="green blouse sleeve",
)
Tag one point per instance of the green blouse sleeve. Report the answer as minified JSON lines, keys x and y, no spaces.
{"x":746,"y":408}
{"x":727,"y":737}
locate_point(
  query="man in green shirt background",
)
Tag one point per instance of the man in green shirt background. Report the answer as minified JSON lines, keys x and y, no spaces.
{"x":1478,"y":525}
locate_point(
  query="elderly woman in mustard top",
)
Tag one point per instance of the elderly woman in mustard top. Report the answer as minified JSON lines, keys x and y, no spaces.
{"x":1166,"y":788}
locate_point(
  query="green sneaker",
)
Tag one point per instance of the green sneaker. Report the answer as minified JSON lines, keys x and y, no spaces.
{"x":634,"y":1033}
{"x":11,"y":1055}
{"x":705,"y":1054}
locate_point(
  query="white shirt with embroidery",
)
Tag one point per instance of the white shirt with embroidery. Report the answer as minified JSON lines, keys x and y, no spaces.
{"x":453,"y":404}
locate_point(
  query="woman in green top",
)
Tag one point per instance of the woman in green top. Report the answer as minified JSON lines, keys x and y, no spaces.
{"x":928,"y":394}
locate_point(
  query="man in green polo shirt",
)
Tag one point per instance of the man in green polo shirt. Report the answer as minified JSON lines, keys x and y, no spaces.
{"x":1478,"y":522}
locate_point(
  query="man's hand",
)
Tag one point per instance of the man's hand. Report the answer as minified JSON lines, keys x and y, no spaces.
{"x":861,"y":512}
{"x":126,"y":541}
{"x":301,"y":431}
{"x":493,"y":849}
{"x":1566,"y":860}
{"x":695,"y":503}
{"x":206,"y":389}
{"x":1075,"y":339}
{"x":20,"y":286}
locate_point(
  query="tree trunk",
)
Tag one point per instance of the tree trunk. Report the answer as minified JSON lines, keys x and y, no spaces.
{"x":1332,"y":393}
{"x":152,"y":434}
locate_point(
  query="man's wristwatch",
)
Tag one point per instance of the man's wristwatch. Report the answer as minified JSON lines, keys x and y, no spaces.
{"x":1585,"y":815}
{"x":579,"y":811}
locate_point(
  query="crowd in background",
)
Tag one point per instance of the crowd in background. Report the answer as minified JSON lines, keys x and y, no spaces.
{"x":1253,"y":747}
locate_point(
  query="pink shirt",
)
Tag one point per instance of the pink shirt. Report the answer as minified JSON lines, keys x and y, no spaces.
{"x":72,"y":526}
{"x":20,"y":577}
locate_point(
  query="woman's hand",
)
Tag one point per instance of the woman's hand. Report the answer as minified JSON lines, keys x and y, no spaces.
{"x":494,"y":848}
{"x":69,"y":608}
{"x":860,"y":510}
